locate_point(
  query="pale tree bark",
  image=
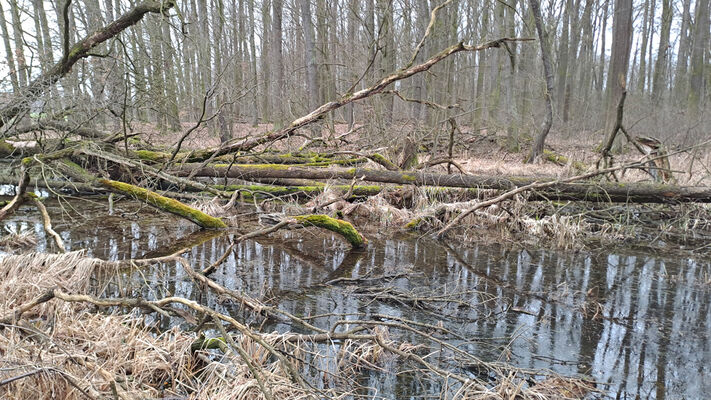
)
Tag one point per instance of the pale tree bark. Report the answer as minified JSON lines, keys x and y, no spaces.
{"x":563,"y":48}
{"x":98,"y":74}
{"x":586,"y":52}
{"x":660,"y":66}
{"x":646,"y":28}
{"x":419,"y":91}
{"x":650,"y":51}
{"x":224,"y":129}
{"x":277,"y":62}
{"x":574,"y":55}
{"x":23,"y":71}
{"x":353,"y":17}
{"x":204,"y":54}
{"x":511,"y":80}
{"x":603,"y":35}
{"x":265,"y":42}
{"x":481,"y":102}
{"x":9,"y":57}
{"x":41,"y":37}
{"x":619,"y":63}
{"x":191,"y":80}
{"x":157,"y":83}
{"x":682,"y":56}
{"x":309,"y":55}
{"x":387,"y":49}
{"x":253,"y":61}
{"x":240,"y":53}
{"x":698,"y":57}
{"x":171,"y":84}
{"x":537,"y":148}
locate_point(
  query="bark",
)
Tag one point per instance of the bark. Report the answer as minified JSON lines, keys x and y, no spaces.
{"x":309,"y":55}
{"x":253,"y":61}
{"x":563,"y":50}
{"x":76,"y":52}
{"x":603,"y":34}
{"x":592,"y":191}
{"x":643,"y":50}
{"x":22,"y":68}
{"x":164,"y":203}
{"x":9,"y":57}
{"x":682,"y":59}
{"x":619,"y":62}
{"x":537,"y":148}
{"x":698,"y":57}
{"x":660,"y":65}
{"x":277,"y":80}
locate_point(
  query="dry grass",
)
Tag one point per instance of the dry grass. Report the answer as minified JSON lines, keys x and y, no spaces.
{"x":68,"y":351}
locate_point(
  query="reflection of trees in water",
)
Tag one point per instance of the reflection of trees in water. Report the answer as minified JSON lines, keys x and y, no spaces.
{"x":650,"y":339}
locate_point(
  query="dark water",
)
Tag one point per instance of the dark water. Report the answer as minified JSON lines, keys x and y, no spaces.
{"x":638,"y":324}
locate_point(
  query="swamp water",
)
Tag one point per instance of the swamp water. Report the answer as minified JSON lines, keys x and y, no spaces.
{"x":639,"y":325}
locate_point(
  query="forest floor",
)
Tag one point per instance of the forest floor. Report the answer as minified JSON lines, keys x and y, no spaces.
{"x":480,"y":153}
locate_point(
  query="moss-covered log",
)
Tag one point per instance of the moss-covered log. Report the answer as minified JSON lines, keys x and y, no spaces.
{"x":164,"y":203}
{"x":339,"y":226}
{"x":586,"y":191}
{"x":269,"y":190}
{"x":308,"y":159}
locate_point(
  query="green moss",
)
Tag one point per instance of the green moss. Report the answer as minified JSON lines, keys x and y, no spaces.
{"x":255,"y":166}
{"x":261,"y":191}
{"x":580,"y":166}
{"x":380,"y":159}
{"x":413,"y":224}
{"x":555,"y":158}
{"x":6,"y":149}
{"x":164,"y":203}
{"x":343,"y":228}
{"x":154,"y":156}
{"x":409,"y":178}
{"x":203,"y":343}
{"x":75,"y":170}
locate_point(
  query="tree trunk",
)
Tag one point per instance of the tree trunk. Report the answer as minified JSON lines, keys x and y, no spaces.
{"x":23,"y":71}
{"x":619,"y":62}
{"x":309,"y":55}
{"x":660,"y":66}
{"x":646,"y":28}
{"x":9,"y":57}
{"x":537,"y":148}
{"x":698,"y":58}
{"x":682,"y":59}
{"x":594,"y":191}
{"x":277,"y":62}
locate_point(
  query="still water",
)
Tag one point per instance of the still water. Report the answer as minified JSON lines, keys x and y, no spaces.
{"x":638,"y":324}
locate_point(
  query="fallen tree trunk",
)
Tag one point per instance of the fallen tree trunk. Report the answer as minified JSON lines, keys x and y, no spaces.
{"x":585,"y":191}
{"x":164,"y":203}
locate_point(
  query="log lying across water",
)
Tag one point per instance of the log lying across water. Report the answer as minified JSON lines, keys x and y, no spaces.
{"x":581,"y":191}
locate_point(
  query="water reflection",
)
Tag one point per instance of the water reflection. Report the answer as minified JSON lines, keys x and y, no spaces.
{"x":638,"y":324}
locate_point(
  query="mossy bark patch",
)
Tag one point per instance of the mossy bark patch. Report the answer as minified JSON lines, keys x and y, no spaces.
{"x":164,"y":203}
{"x":6,"y":149}
{"x":339,"y":226}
